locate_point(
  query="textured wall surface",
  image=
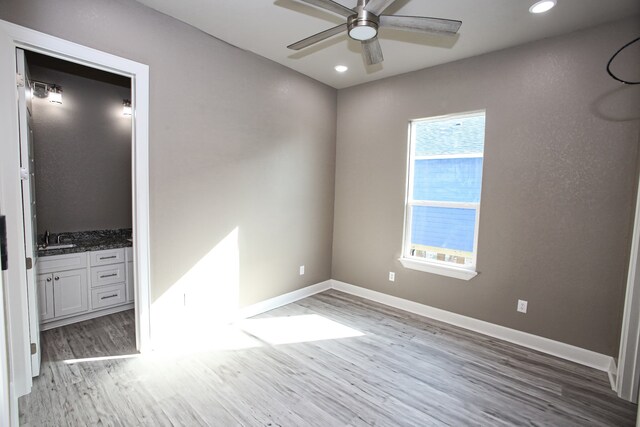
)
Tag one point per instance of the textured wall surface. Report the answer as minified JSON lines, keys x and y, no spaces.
{"x":83,"y":154}
{"x":242,"y":154}
{"x":558,"y":191}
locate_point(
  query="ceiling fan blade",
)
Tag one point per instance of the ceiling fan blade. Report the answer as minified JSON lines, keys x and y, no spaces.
{"x":421,"y":23}
{"x":378,"y":6}
{"x":331,"y":6}
{"x":318,"y":37}
{"x":372,"y":51}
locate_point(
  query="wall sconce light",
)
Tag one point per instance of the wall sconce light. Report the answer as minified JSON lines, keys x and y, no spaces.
{"x":55,"y":94}
{"x":47,"y":90}
{"x":126,"y":107}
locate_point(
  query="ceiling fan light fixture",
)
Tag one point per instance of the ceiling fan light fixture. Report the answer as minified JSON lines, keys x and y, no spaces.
{"x":363,"y":32}
{"x":364,"y":20}
{"x":362,"y":26}
{"x":542,"y":6}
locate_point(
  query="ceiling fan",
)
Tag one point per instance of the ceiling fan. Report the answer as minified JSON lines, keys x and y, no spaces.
{"x":365,"y":19}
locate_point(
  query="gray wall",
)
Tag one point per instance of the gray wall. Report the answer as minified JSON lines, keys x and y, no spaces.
{"x":236,"y":141}
{"x":83,"y":154}
{"x":558,"y":189}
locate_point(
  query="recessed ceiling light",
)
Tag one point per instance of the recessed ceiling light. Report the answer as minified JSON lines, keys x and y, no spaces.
{"x":542,"y":6}
{"x":341,"y":68}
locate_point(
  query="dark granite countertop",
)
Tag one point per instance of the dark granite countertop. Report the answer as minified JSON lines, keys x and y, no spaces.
{"x":87,"y":241}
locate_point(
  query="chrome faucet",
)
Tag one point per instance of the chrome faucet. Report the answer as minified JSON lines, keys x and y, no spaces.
{"x":46,"y":238}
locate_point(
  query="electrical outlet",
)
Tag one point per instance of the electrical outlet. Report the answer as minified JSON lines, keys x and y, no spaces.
{"x":522,"y":306}
{"x":392,"y":276}
{"x":302,"y":270}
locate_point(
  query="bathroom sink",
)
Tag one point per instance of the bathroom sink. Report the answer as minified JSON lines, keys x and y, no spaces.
{"x":57,"y":246}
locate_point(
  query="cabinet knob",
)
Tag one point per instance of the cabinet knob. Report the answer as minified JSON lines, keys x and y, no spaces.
{"x":48,"y":279}
{"x":57,"y":278}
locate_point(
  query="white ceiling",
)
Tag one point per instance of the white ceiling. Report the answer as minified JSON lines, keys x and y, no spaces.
{"x":266,"y":27}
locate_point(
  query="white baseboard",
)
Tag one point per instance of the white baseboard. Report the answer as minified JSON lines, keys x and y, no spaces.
{"x":545,"y":345}
{"x":279,"y":301}
{"x":613,"y":375}
{"x":555,"y":348}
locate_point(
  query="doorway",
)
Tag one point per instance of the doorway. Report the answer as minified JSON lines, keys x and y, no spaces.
{"x":76,"y":163}
{"x":14,"y":278}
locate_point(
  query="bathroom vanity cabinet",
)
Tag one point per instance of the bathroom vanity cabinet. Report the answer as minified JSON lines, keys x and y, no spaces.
{"x":80,"y":286}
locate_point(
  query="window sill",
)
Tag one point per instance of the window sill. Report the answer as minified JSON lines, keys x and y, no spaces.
{"x":443,"y":270}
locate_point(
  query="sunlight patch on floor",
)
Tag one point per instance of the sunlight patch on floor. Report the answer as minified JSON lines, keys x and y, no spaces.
{"x":219,"y":338}
{"x":296,"y":329}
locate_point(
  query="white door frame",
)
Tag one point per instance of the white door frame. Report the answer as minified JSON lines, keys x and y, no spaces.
{"x":28,"y":39}
{"x":8,"y":406}
{"x":628,"y":375}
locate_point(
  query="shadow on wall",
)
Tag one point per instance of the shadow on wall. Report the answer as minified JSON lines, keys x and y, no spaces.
{"x":618,"y":105}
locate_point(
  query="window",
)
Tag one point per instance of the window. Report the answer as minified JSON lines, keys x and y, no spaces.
{"x":443,"y":194}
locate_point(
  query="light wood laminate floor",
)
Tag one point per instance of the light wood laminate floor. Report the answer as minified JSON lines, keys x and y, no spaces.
{"x":328,"y":360}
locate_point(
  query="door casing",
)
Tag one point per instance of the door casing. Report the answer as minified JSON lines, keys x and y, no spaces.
{"x":21,"y":37}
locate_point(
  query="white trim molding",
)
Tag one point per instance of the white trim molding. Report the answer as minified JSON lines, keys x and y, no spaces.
{"x":628,"y":374}
{"x":443,"y":270}
{"x":568,"y":352}
{"x":279,"y":301}
{"x":555,"y":348}
{"x":613,"y":375}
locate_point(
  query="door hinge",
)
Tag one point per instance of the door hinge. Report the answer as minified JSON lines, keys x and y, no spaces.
{"x":19,"y":80}
{"x":29,"y":263}
{"x":24,"y":174}
{"x":34,"y":348}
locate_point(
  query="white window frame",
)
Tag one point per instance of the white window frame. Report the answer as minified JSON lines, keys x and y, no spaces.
{"x":444,"y":268}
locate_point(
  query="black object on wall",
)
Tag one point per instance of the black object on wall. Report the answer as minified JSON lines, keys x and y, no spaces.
{"x":3,"y":243}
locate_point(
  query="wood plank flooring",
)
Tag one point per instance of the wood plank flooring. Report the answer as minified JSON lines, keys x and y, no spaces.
{"x":384,"y":368}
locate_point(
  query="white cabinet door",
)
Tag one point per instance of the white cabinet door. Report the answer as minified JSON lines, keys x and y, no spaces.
{"x":70,"y":292}
{"x":45,"y":296}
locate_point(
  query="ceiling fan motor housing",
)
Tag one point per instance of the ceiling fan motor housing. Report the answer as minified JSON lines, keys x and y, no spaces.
{"x":362,"y":25}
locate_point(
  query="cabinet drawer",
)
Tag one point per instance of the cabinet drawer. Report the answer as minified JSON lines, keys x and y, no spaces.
{"x":108,"y":256}
{"x":107,"y":274}
{"x":50,"y":264}
{"x":107,"y":296}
